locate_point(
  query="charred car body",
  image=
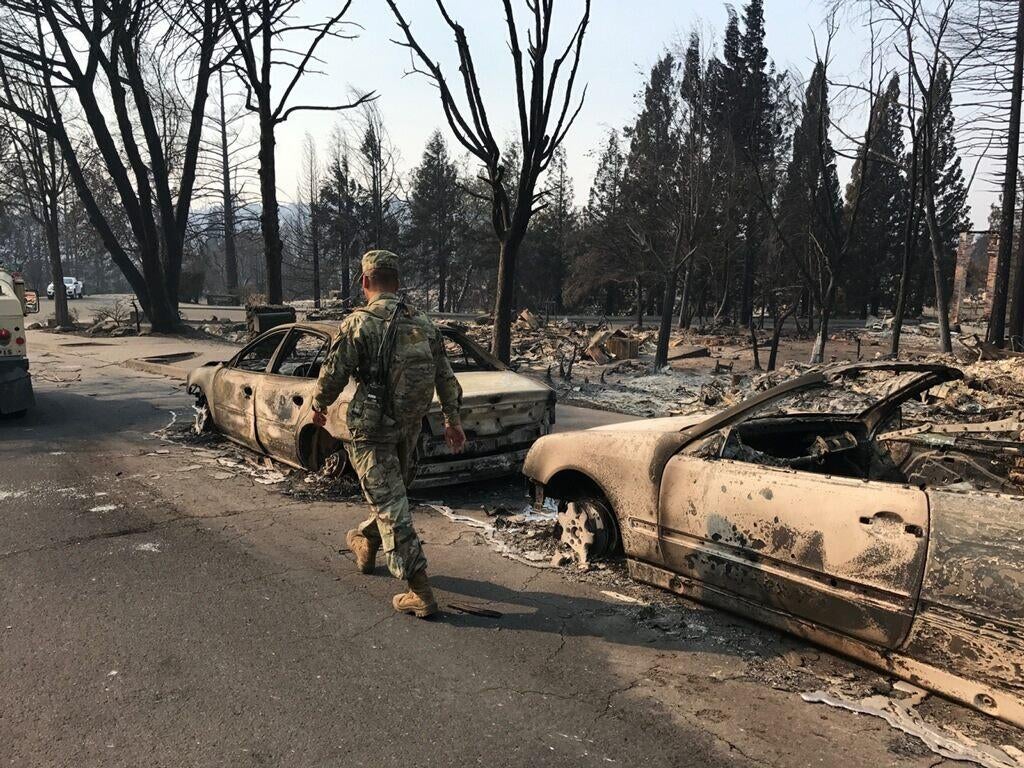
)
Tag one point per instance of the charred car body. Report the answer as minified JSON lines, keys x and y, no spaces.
{"x":262,"y":397}
{"x":899,"y":545}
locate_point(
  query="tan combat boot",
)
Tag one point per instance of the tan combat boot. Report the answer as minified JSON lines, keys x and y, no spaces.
{"x":364,"y":550}
{"x":419,"y":600}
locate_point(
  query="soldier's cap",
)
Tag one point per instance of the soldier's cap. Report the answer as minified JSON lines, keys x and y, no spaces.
{"x":379,"y":260}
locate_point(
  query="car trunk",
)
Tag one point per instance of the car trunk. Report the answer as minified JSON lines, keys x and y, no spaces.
{"x":503,"y":413}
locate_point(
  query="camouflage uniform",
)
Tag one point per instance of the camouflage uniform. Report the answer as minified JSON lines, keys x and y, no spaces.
{"x":383,"y":443}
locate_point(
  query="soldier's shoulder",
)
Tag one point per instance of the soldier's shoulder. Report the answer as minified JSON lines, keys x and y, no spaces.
{"x":356,"y":321}
{"x":423,"y":319}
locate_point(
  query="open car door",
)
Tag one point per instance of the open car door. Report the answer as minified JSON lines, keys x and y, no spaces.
{"x":843,"y":553}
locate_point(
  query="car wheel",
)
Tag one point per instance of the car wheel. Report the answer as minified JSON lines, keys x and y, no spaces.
{"x":588,"y":528}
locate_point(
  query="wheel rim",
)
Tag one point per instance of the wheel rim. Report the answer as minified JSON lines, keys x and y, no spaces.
{"x":588,"y":529}
{"x":202,"y":418}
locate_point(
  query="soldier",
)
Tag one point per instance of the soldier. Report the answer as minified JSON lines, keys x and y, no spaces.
{"x":397,"y":357}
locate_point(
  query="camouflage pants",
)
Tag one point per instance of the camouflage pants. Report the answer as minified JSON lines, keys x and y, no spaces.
{"x":385,"y":468}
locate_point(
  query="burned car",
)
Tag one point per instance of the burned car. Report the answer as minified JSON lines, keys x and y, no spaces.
{"x":261,"y":398}
{"x":854,"y":525}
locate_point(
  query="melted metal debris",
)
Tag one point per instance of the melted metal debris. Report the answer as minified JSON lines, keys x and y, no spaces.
{"x":902,"y":715}
{"x":499,"y":540}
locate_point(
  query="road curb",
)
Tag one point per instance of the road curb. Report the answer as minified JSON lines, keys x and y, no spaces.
{"x":160,"y":369}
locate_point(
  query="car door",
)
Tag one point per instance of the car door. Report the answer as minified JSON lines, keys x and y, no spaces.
{"x":235,"y":384}
{"x":284,"y":397}
{"x":842,"y":553}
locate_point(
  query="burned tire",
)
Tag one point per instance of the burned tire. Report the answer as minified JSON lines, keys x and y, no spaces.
{"x":588,"y":528}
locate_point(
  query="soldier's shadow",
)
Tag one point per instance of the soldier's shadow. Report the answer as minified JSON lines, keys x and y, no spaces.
{"x":679,"y":625}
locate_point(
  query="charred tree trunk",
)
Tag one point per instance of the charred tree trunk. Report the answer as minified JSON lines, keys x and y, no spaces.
{"x":639,"y":303}
{"x":997,"y":319}
{"x":907,"y":263}
{"x":314,"y":230}
{"x":346,"y":277}
{"x":747,"y":289}
{"x":60,"y":295}
{"x":230,"y":251}
{"x":668,"y":304}
{"x":501,"y":340}
{"x":778,"y":323}
{"x":270,"y":224}
{"x":827,"y":303}
{"x":941,"y":302}
{"x":442,"y":278}
{"x":684,"y":299}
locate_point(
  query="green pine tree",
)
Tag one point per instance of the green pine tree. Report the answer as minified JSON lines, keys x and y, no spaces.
{"x":877,"y":248}
{"x":435,"y":214}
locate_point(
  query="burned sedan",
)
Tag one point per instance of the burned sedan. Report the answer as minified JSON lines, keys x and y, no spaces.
{"x":261,"y":398}
{"x":855,"y":525}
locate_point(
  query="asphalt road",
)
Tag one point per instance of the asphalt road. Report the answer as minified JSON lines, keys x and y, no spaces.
{"x":159,"y":612}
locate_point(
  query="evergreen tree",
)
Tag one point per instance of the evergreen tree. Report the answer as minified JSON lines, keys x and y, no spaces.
{"x":553,"y":236}
{"x":809,"y":207}
{"x":757,"y":106}
{"x":345,"y":218}
{"x":877,"y":245}
{"x":761,"y":140}
{"x":950,"y":188}
{"x":601,"y":263}
{"x":651,"y":171}
{"x":435,"y":213}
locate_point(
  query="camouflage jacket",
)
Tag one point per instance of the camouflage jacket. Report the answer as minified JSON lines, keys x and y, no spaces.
{"x":354,"y":355}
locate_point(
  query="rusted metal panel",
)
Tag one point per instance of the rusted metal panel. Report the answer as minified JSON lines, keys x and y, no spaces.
{"x":846,"y":553}
{"x":971,"y":615}
{"x":994,"y":700}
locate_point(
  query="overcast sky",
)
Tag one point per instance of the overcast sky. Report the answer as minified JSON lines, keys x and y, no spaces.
{"x":623,"y":41}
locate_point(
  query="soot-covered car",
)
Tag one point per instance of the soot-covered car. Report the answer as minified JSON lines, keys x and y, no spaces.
{"x":261,"y":398}
{"x":827,"y":507}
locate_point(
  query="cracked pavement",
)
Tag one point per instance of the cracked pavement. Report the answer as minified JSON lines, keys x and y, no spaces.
{"x":154,"y":616}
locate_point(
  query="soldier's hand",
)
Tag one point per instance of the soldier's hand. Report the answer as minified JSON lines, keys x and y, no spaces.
{"x":320,"y":418}
{"x":455,"y":437}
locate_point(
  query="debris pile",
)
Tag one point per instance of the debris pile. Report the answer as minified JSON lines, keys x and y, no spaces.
{"x":556,"y":346}
{"x":226,"y":330}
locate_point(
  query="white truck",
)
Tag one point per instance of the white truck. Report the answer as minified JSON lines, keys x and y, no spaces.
{"x":15,"y":382}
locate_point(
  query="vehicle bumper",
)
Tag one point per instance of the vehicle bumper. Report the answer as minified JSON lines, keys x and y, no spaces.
{"x":15,"y":386}
{"x":469,"y":469}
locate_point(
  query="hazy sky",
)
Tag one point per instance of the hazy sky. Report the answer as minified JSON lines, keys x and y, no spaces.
{"x":623,"y":41}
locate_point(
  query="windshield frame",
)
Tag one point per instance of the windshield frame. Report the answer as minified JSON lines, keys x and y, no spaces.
{"x":931,"y":374}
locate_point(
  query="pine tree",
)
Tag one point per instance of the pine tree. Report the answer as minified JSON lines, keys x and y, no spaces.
{"x":950,"y":188}
{"x":651,"y":170}
{"x":809,"y":208}
{"x":877,"y":245}
{"x":435,"y":213}
{"x":757,"y":120}
{"x":760,"y":139}
{"x":601,"y":262}
{"x":345,"y":219}
{"x":553,"y":236}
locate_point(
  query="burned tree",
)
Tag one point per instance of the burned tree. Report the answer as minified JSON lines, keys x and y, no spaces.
{"x":268,"y":43}
{"x":36,"y":174}
{"x":922,"y":41}
{"x":543,"y":125}
{"x":110,"y":57}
